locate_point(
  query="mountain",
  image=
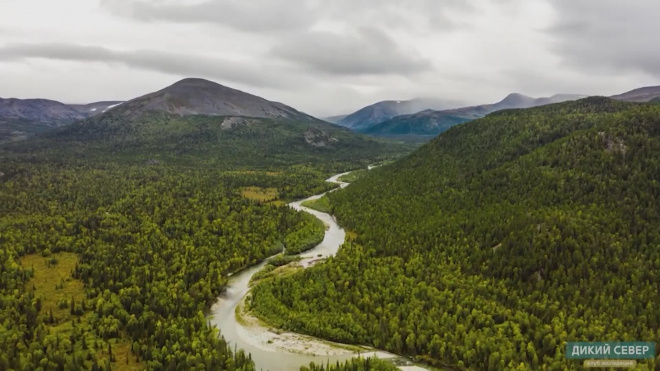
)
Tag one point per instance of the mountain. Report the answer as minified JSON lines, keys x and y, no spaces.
{"x":20,"y":118}
{"x":196,"y":120}
{"x":429,"y":123}
{"x":645,"y":94}
{"x":92,"y":109}
{"x":422,"y":124}
{"x":499,"y":241}
{"x":382,"y":111}
{"x":202,"y":97}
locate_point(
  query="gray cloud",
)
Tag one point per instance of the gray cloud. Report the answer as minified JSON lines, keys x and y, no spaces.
{"x":365,"y":52}
{"x":171,"y":63}
{"x":288,"y":15}
{"x":254,"y":16}
{"x":290,"y":28}
{"x":608,"y":34}
{"x":328,"y":57}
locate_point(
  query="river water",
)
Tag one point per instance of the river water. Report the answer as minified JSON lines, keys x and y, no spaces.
{"x":251,"y":340}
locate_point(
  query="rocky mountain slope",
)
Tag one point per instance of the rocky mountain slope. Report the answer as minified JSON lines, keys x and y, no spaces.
{"x":96,"y":108}
{"x":20,"y":118}
{"x":645,"y":94}
{"x":202,"y":97}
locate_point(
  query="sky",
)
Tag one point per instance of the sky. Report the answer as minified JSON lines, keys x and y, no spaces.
{"x":328,"y":57}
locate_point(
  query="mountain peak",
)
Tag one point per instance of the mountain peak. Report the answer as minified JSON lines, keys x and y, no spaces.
{"x":196,"y":96}
{"x":516,"y":97}
{"x":196,"y":82}
{"x":515,"y":100}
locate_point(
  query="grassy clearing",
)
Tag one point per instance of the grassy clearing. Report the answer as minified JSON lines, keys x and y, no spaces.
{"x":52,"y":282}
{"x":124,"y":359}
{"x":259,"y":194}
{"x":321,"y":204}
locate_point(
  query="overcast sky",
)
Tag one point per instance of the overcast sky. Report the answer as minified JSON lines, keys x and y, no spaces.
{"x":328,"y":57}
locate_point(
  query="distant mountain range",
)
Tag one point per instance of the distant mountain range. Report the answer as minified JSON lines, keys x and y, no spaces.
{"x":407,"y":118}
{"x":430,"y":123}
{"x":20,"y":118}
{"x":198,"y":121}
{"x":385,"y":110}
{"x":380,"y":119}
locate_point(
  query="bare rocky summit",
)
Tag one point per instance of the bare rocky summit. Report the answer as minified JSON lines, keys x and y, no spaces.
{"x":194,"y":96}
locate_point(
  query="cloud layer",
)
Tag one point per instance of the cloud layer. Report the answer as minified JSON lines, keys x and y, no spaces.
{"x":613,"y":35}
{"x":166,"y":62}
{"x":368,"y":51}
{"x":329,"y":57}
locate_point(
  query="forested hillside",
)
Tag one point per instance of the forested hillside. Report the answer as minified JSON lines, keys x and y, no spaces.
{"x":426,"y":123}
{"x":118,"y":234}
{"x":495,"y":243}
{"x":220,"y":142}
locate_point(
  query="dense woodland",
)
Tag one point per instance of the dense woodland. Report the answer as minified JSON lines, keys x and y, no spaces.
{"x":358,"y":364}
{"x":496,"y":243}
{"x":117,"y":236}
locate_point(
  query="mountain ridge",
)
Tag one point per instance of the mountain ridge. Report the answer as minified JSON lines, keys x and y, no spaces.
{"x":196,"y":120}
{"x":94,"y":108}
{"x":430,"y":123}
{"x":384,"y":110}
{"x":643,"y":94}
{"x":20,"y":118}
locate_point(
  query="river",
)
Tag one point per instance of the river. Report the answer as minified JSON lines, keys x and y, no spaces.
{"x":272,"y":349}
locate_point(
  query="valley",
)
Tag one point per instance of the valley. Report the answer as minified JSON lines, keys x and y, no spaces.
{"x":278,"y":185}
{"x":151,"y":236}
{"x":147,"y":213}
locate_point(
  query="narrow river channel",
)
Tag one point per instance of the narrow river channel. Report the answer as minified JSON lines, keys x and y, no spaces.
{"x":271,"y":349}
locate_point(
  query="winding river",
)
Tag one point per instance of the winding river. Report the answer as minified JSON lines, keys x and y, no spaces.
{"x":271,"y":349}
